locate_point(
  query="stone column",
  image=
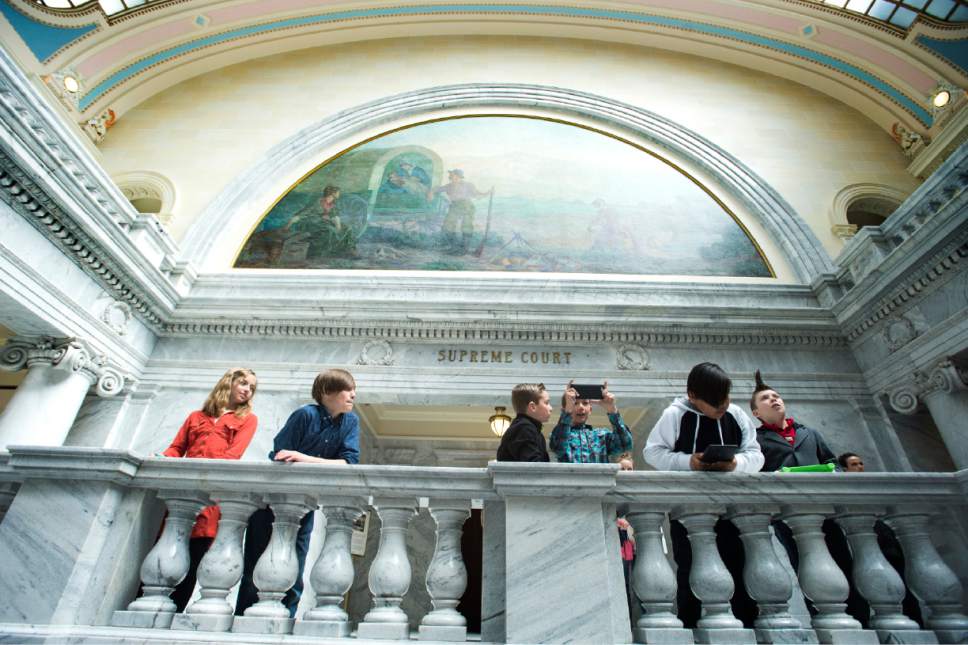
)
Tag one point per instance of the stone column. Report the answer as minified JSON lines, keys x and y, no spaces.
{"x":390,"y":573}
{"x":932,"y":581}
{"x":277,"y":568}
{"x":766,"y":579}
{"x":446,"y":575}
{"x":166,"y":564}
{"x":711,"y":581}
{"x":879,"y":582}
{"x":333,"y":573}
{"x":60,"y":371}
{"x":654,"y":581}
{"x":944,"y":390}
{"x":221,"y":567}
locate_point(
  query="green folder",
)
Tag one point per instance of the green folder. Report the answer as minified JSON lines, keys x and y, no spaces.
{"x":818,"y":468}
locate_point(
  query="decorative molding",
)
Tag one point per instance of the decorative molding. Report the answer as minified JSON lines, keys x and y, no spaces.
{"x":902,"y":329}
{"x":117,"y":315}
{"x":376,"y":352}
{"x":795,"y":238}
{"x":631,"y":357}
{"x":854,"y":192}
{"x":69,"y":354}
{"x":945,"y":377}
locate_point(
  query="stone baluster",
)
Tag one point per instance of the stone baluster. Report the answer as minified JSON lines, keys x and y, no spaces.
{"x":60,"y":371}
{"x":221,"y":567}
{"x":446,"y":575}
{"x":277,"y":568}
{"x":165,"y":565}
{"x":879,"y":582}
{"x":390,"y":573}
{"x":654,"y":582}
{"x":766,"y":579}
{"x":929,"y":577}
{"x":332,"y":575}
{"x":711,"y":581}
{"x":821,"y":579}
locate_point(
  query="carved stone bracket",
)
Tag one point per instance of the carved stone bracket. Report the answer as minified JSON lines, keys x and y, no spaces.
{"x":944,"y":377}
{"x":68,"y":354}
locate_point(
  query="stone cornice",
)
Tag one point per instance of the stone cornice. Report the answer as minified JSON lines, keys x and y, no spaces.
{"x":51,"y":179}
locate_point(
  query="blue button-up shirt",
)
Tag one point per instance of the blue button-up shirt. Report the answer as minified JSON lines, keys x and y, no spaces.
{"x":312,"y":431}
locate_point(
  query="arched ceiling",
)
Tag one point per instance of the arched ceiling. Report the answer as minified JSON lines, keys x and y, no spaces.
{"x":886,"y":72}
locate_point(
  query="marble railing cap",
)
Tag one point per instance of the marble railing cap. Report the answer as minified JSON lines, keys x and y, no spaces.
{"x":518,"y":479}
{"x":75,"y":463}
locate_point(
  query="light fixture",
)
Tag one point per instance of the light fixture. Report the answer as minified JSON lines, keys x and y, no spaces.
{"x":941,"y":98}
{"x":71,"y":84}
{"x":499,"y":421}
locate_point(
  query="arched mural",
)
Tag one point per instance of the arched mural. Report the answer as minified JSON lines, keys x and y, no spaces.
{"x":501,"y":193}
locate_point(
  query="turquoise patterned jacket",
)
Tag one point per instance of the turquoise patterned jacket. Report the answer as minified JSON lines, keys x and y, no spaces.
{"x":587,"y":445}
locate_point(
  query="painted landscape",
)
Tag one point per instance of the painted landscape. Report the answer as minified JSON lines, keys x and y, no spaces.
{"x":501,"y":194}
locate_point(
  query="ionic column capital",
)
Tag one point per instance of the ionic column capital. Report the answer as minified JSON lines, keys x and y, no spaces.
{"x":69,"y":354}
{"x":945,"y":377}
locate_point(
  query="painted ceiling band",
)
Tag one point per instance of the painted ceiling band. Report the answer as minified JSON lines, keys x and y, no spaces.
{"x":122,"y":75}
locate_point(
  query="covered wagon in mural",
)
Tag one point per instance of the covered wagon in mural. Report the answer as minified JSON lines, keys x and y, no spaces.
{"x":499,"y":193}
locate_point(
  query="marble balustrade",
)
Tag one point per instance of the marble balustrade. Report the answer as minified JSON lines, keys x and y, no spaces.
{"x":550,"y":549}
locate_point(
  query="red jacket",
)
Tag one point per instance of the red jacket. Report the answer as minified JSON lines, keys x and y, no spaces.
{"x":203,"y":437}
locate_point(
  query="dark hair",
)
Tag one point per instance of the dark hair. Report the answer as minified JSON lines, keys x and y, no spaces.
{"x":842,"y":459}
{"x":330,"y":190}
{"x":708,"y":382}
{"x":760,"y":387}
{"x":525,"y":393}
{"x":331,"y":382}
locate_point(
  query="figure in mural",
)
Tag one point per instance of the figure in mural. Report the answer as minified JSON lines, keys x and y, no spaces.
{"x":460,"y":193}
{"x":323,"y":229}
{"x":408,"y":178}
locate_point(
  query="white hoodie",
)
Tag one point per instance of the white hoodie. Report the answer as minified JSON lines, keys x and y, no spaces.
{"x":659,"y":449}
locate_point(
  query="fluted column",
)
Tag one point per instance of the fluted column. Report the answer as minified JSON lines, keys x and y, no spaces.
{"x":879,"y":582}
{"x":332,"y":575}
{"x":821,"y":579}
{"x":390,"y":573}
{"x":766,"y":579}
{"x":711,"y":582}
{"x":165,"y":565}
{"x":929,"y":577}
{"x":446,"y":575}
{"x":221,"y":567}
{"x":277,"y":568}
{"x":654,"y":582}
{"x":60,"y":371}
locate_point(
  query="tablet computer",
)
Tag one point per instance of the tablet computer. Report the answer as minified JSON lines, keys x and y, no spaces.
{"x":719,"y":452}
{"x":589,"y":392}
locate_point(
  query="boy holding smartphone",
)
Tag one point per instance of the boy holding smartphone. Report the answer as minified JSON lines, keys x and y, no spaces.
{"x":574,"y":441}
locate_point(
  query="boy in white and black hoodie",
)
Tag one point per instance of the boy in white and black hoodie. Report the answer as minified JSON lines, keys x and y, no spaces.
{"x":677,"y":442}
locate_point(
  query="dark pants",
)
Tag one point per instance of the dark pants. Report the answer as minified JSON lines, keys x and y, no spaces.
{"x":731,"y":551}
{"x":256,"y":540}
{"x":197,"y":548}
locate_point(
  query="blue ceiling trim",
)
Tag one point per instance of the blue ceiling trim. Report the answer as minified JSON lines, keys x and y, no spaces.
{"x":953,"y":51}
{"x":799,"y":51}
{"x":43,"y":40}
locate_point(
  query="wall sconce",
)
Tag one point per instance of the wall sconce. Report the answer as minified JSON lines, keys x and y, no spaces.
{"x":499,"y":421}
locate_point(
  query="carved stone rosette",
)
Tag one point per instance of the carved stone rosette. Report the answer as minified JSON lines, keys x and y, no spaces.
{"x":68,"y":354}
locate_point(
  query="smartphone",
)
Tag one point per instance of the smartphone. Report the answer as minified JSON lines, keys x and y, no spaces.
{"x":719,"y":452}
{"x":589,"y":392}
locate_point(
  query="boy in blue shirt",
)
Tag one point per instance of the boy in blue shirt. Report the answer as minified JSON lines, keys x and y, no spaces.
{"x":327,"y":432}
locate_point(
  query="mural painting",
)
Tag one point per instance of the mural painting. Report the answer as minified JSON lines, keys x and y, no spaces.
{"x":501,"y":193}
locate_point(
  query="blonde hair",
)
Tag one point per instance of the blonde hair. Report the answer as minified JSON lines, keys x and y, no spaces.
{"x":525,"y":393}
{"x":331,"y":382}
{"x":218,"y":398}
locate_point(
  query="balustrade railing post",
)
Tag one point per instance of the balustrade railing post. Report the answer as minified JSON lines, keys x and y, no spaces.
{"x":165,"y":565}
{"x":766,"y":579}
{"x":332,"y":575}
{"x":654,"y":581}
{"x":446,"y":575}
{"x":929,"y":577}
{"x":390,"y":572}
{"x":821,"y":580}
{"x":879,"y":582}
{"x":277,"y":569}
{"x":711,"y":581}
{"x":221,"y":567}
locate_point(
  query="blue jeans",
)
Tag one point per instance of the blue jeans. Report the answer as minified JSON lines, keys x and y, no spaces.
{"x":256,"y":540}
